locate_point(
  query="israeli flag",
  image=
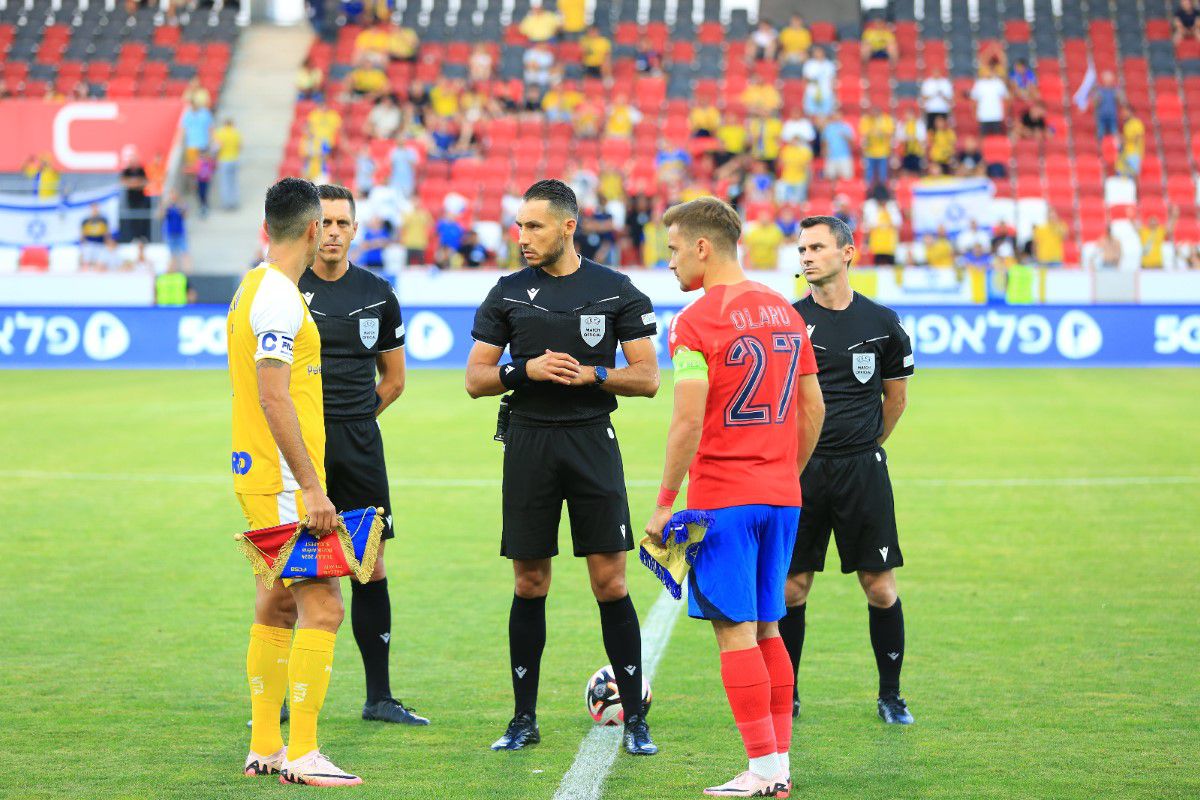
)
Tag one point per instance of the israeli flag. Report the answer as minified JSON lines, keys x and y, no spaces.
{"x":951,"y":203}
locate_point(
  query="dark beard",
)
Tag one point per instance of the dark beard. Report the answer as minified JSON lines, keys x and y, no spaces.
{"x":551,"y":258}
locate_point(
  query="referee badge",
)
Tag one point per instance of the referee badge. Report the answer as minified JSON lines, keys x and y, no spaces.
{"x":864,"y":366}
{"x":368,"y":331}
{"x":591,"y":328}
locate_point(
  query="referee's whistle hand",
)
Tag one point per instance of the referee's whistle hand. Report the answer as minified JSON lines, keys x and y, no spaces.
{"x":554,"y":367}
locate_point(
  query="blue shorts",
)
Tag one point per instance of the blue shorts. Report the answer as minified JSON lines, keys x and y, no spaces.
{"x":742,"y":564}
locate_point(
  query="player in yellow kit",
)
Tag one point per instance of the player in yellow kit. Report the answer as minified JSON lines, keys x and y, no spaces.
{"x":279,"y":477}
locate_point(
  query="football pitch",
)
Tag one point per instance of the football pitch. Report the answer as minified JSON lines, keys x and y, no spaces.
{"x":1049,"y":521}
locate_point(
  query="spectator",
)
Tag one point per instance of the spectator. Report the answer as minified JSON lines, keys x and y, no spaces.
{"x":1004,"y":240}
{"x":559,"y":103}
{"x":1193,"y":258}
{"x":364,"y":172}
{"x":788,"y":224}
{"x":140,"y":261}
{"x":315,"y":153}
{"x":444,"y":99}
{"x":195,"y":94}
{"x":597,"y":54}
{"x":880,"y":202}
{"x":414,"y":234}
{"x":883,"y":238}
{"x":539,"y":66}
{"x":762,"y":238}
{"x":384,"y":120}
{"x":819,"y":74}
{"x":1107,"y":103}
{"x":841,"y":210}
{"x":795,"y":171}
{"x":1133,"y":147}
{"x":404,"y":160}
{"x":197,"y":124}
{"x":760,"y":98}
{"x":989,"y":94}
{"x":992,"y":59}
{"x":672,"y":163}
{"x":1153,"y":236}
{"x":449,"y":236}
{"x":876,"y":131}
{"x":540,"y":24}
{"x":174,"y":232}
{"x":1185,"y":22}
{"x":970,"y":157}
{"x":732,"y":136}
{"x":911,"y":136}
{"x":480,"y":65}
{"x":704,"y":119}
{"x":878,"y":42}
{"x":372,"y":42}
{"x":325,"y":125}
{"x":370,"y":243}
{"x":206,"y":167}
{"x":939,"y":252}
{"x":1033,"y":121}
{"x":94,"y":231}
{"x":109,"y":257}
{"x":471,"y":251}
{"x":795,"y":41}
{"x":1048,"y":239}
{"x":758,"y":186}
{"x":622,"y":117}
{"x":837,"y":138}
{"x":1108,"y":252}
{"x":972,"y":236}
{"x":942,"y":144}
{"x":309,"y":80}
{"x":587,"y":117}
{"x":595,"y":238}
{"x":574,"y":17}
{"x":765,"y":133}
{"x":228,"y":141}
{"x":133,"y":178}
{"x":1023,"y":80}
{"x":403,"y":44}
{"x":764,"y":42}
{"x":648,"y":59}
{"x":640,"y":214}
{"x":45,"y":177}
{"x":977,"y":258}
{"x":797,"y":128}
{"x":937,"y":97}
{"x":367,"y":79}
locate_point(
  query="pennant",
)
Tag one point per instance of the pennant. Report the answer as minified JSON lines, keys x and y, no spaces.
{"x":672,"y":557}
{"x":290,"y":550}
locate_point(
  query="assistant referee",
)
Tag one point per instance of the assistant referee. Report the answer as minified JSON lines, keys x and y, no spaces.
{"x":864,"y":361}
{"x":561,"y":319}
{"x":362,"y":333}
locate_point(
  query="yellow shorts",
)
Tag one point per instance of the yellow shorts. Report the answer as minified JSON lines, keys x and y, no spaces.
{"x":269,"y":510}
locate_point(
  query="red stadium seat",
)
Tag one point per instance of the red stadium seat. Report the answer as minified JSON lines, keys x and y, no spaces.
{"x":823,"y":32}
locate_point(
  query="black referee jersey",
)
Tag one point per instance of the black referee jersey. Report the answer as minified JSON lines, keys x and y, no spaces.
{"x":857,"y":349}
{"x":586,"y":314}
{"x":358,"y":317}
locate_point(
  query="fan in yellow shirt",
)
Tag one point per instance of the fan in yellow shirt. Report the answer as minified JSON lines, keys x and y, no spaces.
{"x":1154,"y":236}
{"x":621,"y":119}
{"x":574,"y":15}
{"x":939,"y":252}
{"x":1048,"y":240}
{"x":942,"y":142}
{"x":795,"y":162}
{"x":883,"y":239}
{"x":325,"y":124}
{"x":878,"y":42}
{"x":539,"y":25}
{"x":278,"y":475}
{"x":443,"y":99}
{"x":760,"y":98}
{"x":733,"y":138}
{"x":596,"y":52}
{"x":795,"y":40}
{"x":765,"y":134}
{"x":1133,"y":147}
{"x":704,"y":120}
{"x":762,"y":238}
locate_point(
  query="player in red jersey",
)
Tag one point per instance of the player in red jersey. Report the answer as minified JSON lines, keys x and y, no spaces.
{"x":748,"y":411}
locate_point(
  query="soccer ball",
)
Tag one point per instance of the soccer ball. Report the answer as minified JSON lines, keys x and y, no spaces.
{"x":603,"y":699}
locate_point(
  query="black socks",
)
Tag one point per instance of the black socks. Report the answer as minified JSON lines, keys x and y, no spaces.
{"x":526,"y":640}
{"x":371,"y":619}
{"x":791,"y":629}
{"x":887,"y":638}
{"x":623,"y":643}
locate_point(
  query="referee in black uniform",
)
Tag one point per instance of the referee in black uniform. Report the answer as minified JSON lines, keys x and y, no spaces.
{"x":358,"y":316}
{"x":864,"y":360}
{"x":561,"y":319}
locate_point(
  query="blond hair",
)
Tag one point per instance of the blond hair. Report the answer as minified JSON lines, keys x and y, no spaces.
{"x":707,"y":218}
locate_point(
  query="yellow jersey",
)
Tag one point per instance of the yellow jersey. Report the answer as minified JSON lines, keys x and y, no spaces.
{"x":620,"y":122}
{"x":1134,"y":133}
{"x":941,"y":145}
{"x":229,"y":143}
{"x":574,"y":15}
{"x":878,"y":39}
{"x":268,"y":319}
{"x":762,"y":245}
{"x":940,"y":253}
{"x":1152,"y":246}
{"x":884,"y":239}
{"x":705,"y":118}
{"x":793,"y":41}
{"x":765,"y":136}
{"x":324,"y":123}
{"x":877,"y":134}
{"x":595,"y":50}
{"x":794,"y":161}
{"x":1048,"y":243}
{"x":732,"y":137}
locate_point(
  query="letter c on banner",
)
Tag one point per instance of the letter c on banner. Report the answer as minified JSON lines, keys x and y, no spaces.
{"x":69,"y":157}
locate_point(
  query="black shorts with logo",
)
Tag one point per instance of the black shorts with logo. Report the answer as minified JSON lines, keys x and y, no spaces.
{"x":546,"y":464}
{"x":852,"y":497}
{"x":355,"y":471}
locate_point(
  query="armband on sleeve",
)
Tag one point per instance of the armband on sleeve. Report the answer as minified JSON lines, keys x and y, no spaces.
{"x":689,"y":365}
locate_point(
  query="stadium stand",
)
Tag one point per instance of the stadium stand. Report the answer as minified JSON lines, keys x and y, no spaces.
{"x":477,"y":137}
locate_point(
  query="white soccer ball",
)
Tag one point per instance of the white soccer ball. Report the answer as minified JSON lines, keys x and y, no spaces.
{"x":603,"y":698}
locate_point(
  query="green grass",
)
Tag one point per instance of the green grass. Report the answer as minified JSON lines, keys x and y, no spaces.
{"x":1052,"y":635}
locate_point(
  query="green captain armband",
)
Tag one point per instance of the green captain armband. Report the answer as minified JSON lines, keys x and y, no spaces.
{"x":689,"y":365}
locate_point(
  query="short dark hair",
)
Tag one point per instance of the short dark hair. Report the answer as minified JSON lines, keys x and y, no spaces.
{"x":841,"y":231}
{"x":335,"y":191}
{"x":292,"y":203}
{"x":560,"y":197}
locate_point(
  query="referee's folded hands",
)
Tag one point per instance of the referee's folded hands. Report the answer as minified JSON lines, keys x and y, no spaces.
{"x":551,"y":366}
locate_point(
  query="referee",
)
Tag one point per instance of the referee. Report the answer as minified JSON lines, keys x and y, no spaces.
{"x":358,"y":317}
{"x":561,"y":319}
{"x":864,"y":360}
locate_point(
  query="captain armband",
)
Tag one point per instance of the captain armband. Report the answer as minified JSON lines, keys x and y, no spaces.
{"x":689,"y":365}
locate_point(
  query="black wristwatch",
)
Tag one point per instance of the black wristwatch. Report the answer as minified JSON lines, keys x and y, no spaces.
{"x":601,"y":375}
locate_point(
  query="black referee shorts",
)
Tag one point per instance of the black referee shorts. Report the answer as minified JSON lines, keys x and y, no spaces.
{"x":355,"y":472}
{"x":580,"y":464}
{"x":852,"y":497}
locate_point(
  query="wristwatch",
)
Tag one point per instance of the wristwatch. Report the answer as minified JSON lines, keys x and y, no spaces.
{"x":601,"y":375}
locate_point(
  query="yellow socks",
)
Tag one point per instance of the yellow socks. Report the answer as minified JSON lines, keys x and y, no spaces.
{"x":308,"y":673}
{"x":267,"y":671}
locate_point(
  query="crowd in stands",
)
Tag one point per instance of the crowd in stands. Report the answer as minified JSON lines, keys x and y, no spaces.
{"x":765,"y":150}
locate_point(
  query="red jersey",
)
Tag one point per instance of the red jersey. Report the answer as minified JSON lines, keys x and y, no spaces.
{"x":755,"y":346}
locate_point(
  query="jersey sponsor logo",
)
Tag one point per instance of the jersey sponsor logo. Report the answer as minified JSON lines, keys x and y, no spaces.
{"x":864,"y":366}
{"x":532,"y":293}
{"x":591,"y":328}
{"x":368,"y":331}
{"x":241,"y":462}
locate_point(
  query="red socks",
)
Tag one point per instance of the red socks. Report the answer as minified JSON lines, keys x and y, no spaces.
{"x":748,"y":687}
{"x":783,"y":677}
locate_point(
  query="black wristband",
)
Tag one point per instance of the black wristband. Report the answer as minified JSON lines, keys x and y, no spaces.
{"x":513,"y":374}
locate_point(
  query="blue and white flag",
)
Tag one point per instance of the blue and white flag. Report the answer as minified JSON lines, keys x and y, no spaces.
{"x":1083,"y":94}
{"x":951,"y":203}
{"x":28,"y":220}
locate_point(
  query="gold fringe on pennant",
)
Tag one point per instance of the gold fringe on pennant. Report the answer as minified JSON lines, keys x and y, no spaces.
{"x":360,"y":570}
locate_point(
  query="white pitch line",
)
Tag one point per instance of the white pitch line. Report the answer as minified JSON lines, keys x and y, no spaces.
{"x":585,"y":779}
{"x":494,"y":483}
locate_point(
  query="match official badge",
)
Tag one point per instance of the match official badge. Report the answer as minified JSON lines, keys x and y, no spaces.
{"x":864,"y":366}
{"x":368,"y":331}
{"x":591,"y":328}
